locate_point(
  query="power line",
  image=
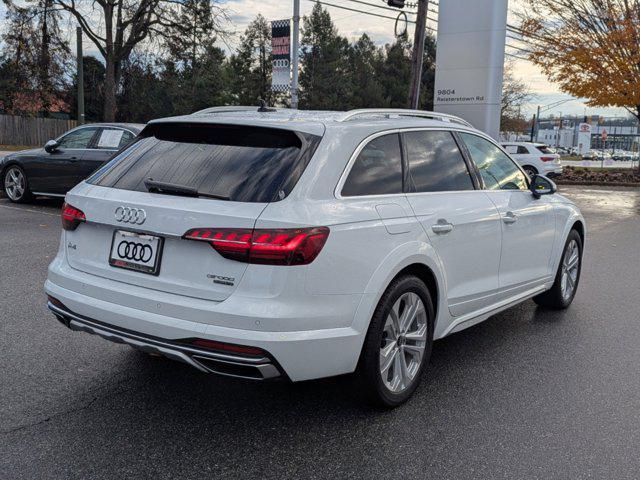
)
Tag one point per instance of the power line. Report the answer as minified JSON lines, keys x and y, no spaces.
{"x":363,"y":12}
{"x":517,"y":56}
{"x":524,"y":50}
{"x":356,"y":10}
{"x":383,"y":7}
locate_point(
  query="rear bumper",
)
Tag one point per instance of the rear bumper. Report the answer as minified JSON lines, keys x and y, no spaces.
{"x":259,"y":368}
{"x":552,"y":170}
{"x":132,"y":315}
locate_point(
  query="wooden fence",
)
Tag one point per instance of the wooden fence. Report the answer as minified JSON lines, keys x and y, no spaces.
{"x":31,"y":131}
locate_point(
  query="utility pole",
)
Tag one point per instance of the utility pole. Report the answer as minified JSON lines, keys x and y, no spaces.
{"x":537,"y":125}
{"x":418,"y":54}
{"x":533,"y":126}
{"x":80,"y":76}
{"x":296,"y":56}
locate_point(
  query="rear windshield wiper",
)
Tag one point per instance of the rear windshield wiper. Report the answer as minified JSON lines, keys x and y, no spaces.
{"x":154,"y":186}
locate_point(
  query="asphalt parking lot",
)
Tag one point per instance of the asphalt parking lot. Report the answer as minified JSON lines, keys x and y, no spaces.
{"x":529,"y":393}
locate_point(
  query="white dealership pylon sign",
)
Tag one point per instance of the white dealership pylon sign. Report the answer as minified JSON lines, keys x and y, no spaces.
{"x":470,"y":61}
{"x":584,"y":138}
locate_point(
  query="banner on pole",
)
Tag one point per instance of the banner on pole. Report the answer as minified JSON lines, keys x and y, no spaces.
{"x":281,"y":55}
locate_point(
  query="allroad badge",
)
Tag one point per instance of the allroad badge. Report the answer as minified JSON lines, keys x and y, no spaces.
{"x":135,"y":216}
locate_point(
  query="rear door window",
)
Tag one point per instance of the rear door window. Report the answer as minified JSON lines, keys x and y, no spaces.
{"x":377,"y":170}
{"x":436,"y":163}
{"x":238,"y":163}
{"x":113,"y":138}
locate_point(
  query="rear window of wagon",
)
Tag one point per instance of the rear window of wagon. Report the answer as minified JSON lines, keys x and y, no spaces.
{"x":242,"y":163}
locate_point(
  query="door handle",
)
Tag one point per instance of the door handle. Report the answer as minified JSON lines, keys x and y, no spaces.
{"x":73,"y":159}
{"x":510,"y":218}
{"x":442,"y":227}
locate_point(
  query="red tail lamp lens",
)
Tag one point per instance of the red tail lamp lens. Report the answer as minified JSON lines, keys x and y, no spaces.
{"x":547,"y":159}
{"x":290,"y":246}
{"x":71,"y":217}
{"x":229,"y":347}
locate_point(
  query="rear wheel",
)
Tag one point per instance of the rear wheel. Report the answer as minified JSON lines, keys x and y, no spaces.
{"x":565,"y":285}
{"x":398,"y":344}
{"x":16,"y":185}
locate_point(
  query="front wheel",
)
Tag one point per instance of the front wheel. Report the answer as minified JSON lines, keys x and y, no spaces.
{"x":16,"y":185}
{"x":398,"y":344}
{"x":565,"y":285}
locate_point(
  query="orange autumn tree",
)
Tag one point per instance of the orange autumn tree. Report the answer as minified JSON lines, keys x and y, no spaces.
{"x":590,"y":48}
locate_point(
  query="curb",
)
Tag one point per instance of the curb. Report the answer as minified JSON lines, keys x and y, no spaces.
{"x":600,"y":184}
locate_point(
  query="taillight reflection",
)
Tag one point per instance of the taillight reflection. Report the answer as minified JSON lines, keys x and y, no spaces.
{"x":290,"y":246}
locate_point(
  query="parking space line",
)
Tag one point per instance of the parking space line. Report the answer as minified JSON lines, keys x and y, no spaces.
{"x":30,"y":210}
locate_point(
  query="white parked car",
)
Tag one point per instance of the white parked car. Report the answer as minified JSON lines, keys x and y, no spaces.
{"x":301,"y":245}
{"x":535,"y":158}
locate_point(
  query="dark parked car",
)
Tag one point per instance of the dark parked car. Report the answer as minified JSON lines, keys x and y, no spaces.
{"x":64,"y":162}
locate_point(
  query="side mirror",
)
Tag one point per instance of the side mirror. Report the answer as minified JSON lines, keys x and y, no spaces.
{"x":541,"y":185}
{"x":51,"y":146}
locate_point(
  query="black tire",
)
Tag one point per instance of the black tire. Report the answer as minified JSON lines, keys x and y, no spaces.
{"x":554,"y":298}
{"x":368,"y":376}
{"x":26,"y":195}
{"x":531,"y":171}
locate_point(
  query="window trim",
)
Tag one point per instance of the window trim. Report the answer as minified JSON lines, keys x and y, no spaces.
{"x":347,"y":169}
{"x":94,"y":138}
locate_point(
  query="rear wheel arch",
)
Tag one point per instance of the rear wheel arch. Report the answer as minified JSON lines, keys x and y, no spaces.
{"x":424,"y":273}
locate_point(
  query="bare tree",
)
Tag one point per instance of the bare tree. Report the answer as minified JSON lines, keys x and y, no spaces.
{"x":515,"y":95}
{"x":116,"y":27}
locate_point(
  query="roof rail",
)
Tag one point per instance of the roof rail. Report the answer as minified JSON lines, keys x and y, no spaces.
{"x":401,"y":112}
{"x":225,"y":109}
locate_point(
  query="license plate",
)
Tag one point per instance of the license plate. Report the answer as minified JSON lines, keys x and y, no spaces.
{"x":136,"y":251}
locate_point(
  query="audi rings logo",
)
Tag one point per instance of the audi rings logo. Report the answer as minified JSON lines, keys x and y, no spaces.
{"x":135,"y":251}
{"x":136,"y":216}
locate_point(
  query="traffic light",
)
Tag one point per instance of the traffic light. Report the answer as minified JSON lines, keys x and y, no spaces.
{"x":396,"y":3}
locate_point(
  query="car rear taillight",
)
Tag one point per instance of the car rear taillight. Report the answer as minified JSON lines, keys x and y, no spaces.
{"x":547,"y":159}
{"x":282,"y":246}
{"x":71,"y":217}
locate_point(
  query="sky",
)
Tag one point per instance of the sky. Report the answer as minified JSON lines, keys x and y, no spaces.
{"x":381,"y":30}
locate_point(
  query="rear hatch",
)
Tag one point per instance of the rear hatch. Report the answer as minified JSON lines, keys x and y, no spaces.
{"x":203,"y":176}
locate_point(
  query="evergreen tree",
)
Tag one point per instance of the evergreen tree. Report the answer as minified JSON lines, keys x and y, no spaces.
{"x":428,"y":73}
{"x":324,"y":75}
{"x":395,"y":74}
{"x":196,"y":67}
{"x":366,"y":62}
{"x":251,"y":65}
{"x":93,"y":73}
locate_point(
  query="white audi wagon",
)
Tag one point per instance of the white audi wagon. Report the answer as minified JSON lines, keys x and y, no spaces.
{"x":298,"y":245}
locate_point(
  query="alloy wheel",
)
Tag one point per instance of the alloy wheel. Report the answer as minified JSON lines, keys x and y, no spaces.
{"x":404,"y":340}
{"x":14,"y":183}
{"x":570,"y":268}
